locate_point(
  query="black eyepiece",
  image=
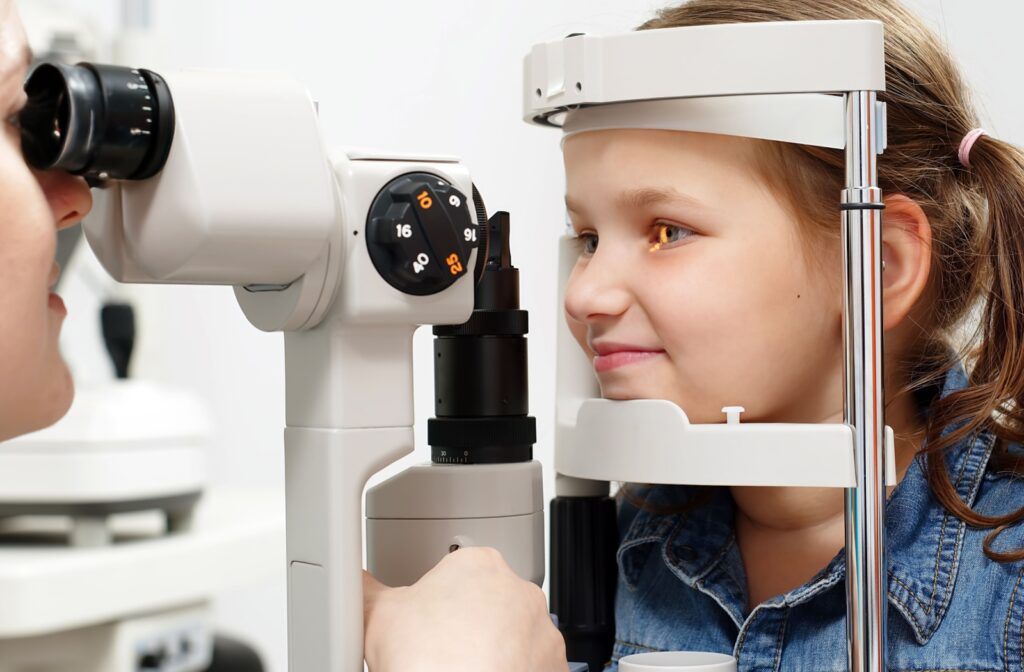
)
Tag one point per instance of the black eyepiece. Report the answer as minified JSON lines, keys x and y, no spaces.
{"x":100,"y":121}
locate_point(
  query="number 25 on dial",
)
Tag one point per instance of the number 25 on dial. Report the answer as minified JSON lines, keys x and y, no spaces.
{"x":454,"y":265}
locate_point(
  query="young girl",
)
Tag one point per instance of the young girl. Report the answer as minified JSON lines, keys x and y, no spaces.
{"x":710,"y":275}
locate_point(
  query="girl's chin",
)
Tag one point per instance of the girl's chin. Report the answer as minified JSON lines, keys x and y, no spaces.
{"x":697,"y":414}
{"x":623,"y":391}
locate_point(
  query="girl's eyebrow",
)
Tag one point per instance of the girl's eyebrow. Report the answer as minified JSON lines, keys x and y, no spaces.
{"x":643,"y":197}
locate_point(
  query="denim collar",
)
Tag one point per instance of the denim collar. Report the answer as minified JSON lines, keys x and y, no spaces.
{"x":923,"y":542}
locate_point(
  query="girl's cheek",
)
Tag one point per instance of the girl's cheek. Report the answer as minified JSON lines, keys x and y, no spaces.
{"x":578,"y":331}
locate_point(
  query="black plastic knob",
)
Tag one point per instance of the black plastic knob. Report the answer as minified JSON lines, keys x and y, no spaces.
{"x":584,"y":542}
{"x":118,"y":323}
{"x":420,"y":234}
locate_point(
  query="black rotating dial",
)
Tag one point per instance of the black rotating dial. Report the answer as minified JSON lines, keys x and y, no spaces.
{"x":420,"y":234}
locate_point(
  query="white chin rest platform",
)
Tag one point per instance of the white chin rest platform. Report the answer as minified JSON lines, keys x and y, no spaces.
{"x":652,"y":441}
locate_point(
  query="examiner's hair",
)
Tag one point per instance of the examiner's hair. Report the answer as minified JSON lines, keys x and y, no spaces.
{"x":976,"y":286}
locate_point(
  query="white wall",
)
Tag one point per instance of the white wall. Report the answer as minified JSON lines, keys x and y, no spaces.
{"x":412,"y":76}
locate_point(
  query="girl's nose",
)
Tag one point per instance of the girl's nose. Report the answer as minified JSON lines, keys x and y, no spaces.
{"x":597,"y":290}
{"x":69,"y":196}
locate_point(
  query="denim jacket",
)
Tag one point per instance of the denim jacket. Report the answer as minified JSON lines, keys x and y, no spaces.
{"x":682,"y":584}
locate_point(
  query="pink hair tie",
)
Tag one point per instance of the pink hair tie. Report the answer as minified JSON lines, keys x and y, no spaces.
{"x":967,"y":143}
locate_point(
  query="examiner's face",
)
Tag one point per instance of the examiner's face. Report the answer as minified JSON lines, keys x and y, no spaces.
{"x":35,"y":385}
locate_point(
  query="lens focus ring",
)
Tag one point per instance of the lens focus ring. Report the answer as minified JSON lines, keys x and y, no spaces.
{"x":101,"y":121}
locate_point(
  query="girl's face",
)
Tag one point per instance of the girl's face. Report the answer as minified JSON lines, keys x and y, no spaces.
{"x":35,"y":386}
{"x":693,"y":284}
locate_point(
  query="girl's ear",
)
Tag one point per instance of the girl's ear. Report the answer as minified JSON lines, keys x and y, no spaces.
{"x":907,"y":255}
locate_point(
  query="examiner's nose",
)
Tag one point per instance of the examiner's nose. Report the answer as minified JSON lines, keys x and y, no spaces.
{"x":68,"y":195}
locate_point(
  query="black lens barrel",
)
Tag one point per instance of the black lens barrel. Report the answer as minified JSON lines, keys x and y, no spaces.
{"x":480,"y":370}
{"x":101,"y":121}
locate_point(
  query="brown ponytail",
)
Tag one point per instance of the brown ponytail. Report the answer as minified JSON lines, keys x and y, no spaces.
{"x":994,"y":398}
{"x":977,"y":220}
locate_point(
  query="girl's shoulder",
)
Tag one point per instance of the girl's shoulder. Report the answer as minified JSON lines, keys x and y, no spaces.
{"x":984,"y":602}
{"x":1001,"y":492}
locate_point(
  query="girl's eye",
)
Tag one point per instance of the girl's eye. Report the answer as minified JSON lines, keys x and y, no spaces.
{"x":667,"y":235}
{"x":586,"y":243}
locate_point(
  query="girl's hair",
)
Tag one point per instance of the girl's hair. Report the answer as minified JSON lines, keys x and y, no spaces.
{"x":976,"y":284}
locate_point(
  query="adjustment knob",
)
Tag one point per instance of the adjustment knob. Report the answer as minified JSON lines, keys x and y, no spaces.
{"x":420,"y":234}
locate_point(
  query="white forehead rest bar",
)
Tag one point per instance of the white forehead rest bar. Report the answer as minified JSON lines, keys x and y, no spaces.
{"x":703,"y":61}
{"x":802,"y":118}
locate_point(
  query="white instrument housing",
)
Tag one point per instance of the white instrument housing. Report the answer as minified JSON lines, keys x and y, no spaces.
{"x":249,"y":197}
{"x":260,"y":199}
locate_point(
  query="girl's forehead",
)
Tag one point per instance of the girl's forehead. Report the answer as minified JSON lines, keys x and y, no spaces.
{"x":669,"y":141}
{"x":641,"y":197}
{"x":660,"y":165}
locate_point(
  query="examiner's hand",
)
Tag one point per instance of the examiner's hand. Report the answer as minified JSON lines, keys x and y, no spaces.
{"x":469,"y":613}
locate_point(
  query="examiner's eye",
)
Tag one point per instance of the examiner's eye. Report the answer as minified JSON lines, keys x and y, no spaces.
{"x":586,"y":243}
{"x":666,"y":235}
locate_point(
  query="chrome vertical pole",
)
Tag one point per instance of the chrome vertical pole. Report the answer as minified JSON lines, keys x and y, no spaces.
{"x":866,"y":582}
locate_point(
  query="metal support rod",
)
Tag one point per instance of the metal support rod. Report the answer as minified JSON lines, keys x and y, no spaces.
{"x":866,"y":568}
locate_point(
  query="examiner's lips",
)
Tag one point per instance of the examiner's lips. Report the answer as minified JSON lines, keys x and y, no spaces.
{"x":614,"y":355}
{"x":53,"y":300}
{"x":56,"y":303}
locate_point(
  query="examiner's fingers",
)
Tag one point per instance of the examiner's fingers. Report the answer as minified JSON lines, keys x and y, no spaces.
{"x":372,"y":590}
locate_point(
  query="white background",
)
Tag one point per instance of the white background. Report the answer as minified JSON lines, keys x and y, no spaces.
{"x":410,"y":76}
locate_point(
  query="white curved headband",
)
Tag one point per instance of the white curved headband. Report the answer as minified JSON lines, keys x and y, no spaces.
{"x":803,"y":118}
{"x":781,"y":81}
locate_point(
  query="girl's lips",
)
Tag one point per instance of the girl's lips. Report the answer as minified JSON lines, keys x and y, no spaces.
{"x":614,"y":360}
